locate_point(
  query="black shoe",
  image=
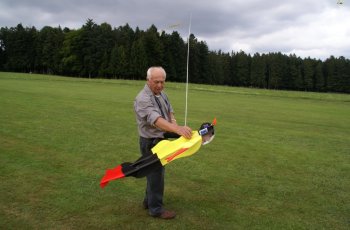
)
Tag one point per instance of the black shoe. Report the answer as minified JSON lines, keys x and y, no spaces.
{"x":166,"y":215}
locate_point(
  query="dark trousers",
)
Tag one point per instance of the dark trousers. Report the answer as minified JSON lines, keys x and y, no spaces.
{"x":155,"y":179}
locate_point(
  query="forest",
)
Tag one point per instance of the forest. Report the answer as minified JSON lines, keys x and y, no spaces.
{"x":100,"y":51}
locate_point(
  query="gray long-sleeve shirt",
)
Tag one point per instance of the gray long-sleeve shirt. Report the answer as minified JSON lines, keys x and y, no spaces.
{"x":147,"y":111}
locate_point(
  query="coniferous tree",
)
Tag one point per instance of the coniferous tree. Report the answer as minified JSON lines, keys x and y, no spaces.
{"x":20,"y":48}
{"x":227,"y":70}
{"x":103,"y":70}
{"x":341,"y":77}
{"x":217,"y":68}
{"x":231,"y":79}
{"x":154,"y":47}
{"x":104,"y":45}
{"x":122,"y":63}
{"x":100,"y":51}
{"x":294,"y":80}
{"x":72,"y":61}
{"x":125,"y":36}
{"x":169,"y":62}
{"x":346,"y":77}
{"x":194,"y":61}
{"x":329,"y":72}
{"x":242,"y":69}
{"x":203,"y":51}
{"x":3,"y":51}
{"x":258,"y":69}
{"x":50,"y":43}
{"x":319,"y":77}
{"x":89,"y":52}
{"x":139,"y":61}
{"x":113,"y":62}
{"x":308,"y":74}
{"x":277,"y":66}
{"x":175,"y":56}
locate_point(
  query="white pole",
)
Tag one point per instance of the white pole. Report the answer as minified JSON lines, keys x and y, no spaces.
{"x":188,"y":58}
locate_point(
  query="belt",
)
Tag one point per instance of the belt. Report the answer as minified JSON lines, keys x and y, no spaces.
{"x":154,"y":141}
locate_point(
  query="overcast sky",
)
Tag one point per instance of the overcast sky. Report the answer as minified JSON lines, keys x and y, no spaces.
{"x":315,"y":28}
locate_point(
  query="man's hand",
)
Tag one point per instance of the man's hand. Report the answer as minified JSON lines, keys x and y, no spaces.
{"x":184,"y":131}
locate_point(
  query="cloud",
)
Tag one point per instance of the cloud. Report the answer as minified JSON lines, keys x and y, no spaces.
{"x":315,"y":28}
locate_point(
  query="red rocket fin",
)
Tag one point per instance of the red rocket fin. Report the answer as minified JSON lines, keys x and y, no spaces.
{"x":112,"y":174}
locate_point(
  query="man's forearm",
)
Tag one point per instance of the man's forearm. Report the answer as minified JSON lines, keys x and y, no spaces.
{"x":173,"y":127}
{"x":166,"y":126}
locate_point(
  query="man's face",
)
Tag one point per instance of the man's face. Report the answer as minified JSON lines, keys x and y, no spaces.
{"x":156,"y":82}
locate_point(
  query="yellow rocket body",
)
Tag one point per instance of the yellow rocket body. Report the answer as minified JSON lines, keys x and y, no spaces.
{"x":168,"y":151}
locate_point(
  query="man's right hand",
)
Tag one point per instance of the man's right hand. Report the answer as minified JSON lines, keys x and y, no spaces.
{"x":184,"y":131}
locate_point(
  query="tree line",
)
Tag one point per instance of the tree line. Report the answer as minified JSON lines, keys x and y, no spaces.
{"x":105,"y":52}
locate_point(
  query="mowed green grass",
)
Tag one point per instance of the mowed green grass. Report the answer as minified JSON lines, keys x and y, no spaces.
{"x":280,"y":160}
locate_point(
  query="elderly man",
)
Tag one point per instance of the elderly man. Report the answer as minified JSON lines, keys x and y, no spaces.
{"x":155,"y":117}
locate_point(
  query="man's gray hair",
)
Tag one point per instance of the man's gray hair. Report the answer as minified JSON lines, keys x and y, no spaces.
{"x":151,"y":69}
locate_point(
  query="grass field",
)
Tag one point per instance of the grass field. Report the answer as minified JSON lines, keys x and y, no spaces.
{"x":280,"y":160}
